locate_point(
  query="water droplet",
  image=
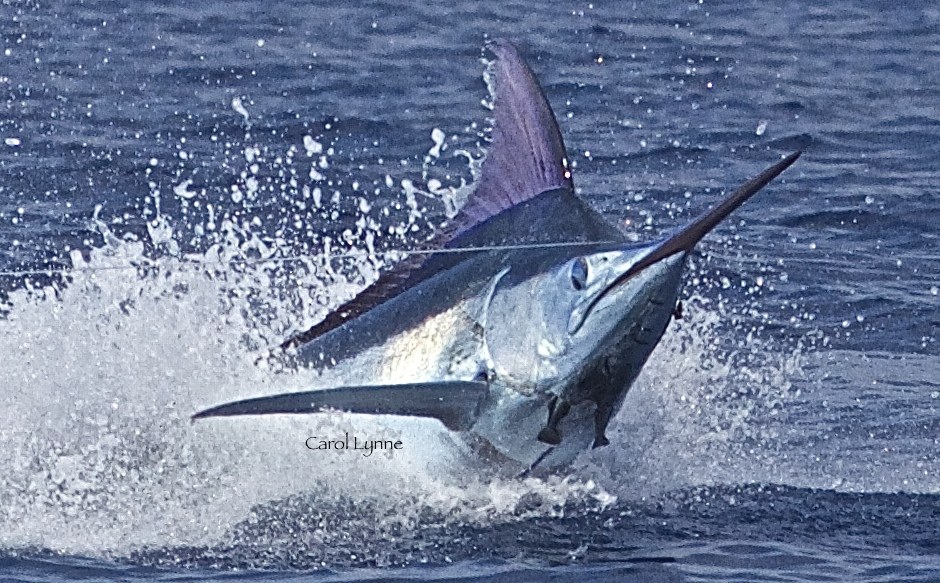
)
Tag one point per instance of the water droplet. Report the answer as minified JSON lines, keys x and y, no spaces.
{"x":312,"y":146}
{"x":239,"y":107}
{"x":437,"y":136}
{"x":182,"y":189}
{"x":761,"y":128}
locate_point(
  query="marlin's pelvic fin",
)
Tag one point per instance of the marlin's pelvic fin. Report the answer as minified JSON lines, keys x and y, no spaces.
{"x":454,"y":403}
{"x":557,"y":410}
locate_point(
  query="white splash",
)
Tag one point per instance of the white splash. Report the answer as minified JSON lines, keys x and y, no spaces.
{"x":101,"y":372}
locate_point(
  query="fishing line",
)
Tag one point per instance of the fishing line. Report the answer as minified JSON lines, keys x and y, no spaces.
{"x":323,"y":257}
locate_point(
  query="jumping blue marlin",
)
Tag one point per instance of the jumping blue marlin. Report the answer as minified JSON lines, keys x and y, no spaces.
{"x":532,"y":316}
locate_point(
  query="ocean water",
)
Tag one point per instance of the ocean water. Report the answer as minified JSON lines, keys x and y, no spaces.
{"x":183,"y":185}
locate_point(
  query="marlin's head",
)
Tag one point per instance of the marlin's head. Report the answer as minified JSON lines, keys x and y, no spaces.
{"x":548,"y":318}
{"x":578,"y":329}
{"x":577,"y":323}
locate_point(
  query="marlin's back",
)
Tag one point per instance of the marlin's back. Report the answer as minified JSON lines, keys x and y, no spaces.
{"x":444,"y":280}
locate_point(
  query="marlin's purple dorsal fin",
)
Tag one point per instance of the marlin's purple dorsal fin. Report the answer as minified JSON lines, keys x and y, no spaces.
{"x":526,"y":158}
{"x":527,"y":155}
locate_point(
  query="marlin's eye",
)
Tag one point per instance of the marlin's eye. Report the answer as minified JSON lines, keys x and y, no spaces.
{"x":579,"y":274}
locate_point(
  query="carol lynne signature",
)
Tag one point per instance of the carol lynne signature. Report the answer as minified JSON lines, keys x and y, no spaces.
{"x":352,"y":443}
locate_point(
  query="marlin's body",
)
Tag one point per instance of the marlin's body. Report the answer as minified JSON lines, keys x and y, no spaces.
{"x":527,"y":336}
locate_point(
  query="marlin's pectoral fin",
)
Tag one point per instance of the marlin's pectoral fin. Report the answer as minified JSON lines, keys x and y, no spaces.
{"x":455,"y":403}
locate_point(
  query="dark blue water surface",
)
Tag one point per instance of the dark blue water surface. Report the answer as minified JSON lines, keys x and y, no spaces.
{"x":184,"y":184}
